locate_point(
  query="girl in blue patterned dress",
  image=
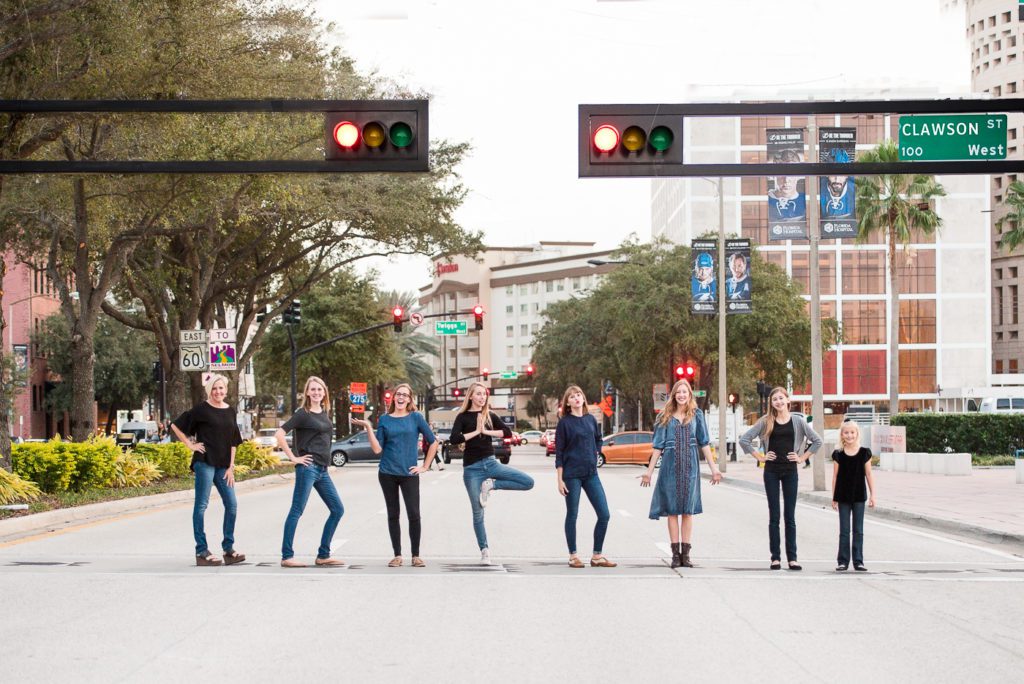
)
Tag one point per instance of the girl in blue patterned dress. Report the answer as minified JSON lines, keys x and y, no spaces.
{"x":680,"y":430}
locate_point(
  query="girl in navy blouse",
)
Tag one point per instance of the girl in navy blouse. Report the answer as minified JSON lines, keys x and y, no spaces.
{"x":577,"y":444}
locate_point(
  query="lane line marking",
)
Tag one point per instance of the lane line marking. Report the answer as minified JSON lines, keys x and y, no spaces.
{"x":624,"y":513}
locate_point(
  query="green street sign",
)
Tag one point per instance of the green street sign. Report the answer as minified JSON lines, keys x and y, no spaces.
{"x":509,"y":375}
{"x":451,"y":328}
{"x":700,"y":393}
{"x":964,"y":137}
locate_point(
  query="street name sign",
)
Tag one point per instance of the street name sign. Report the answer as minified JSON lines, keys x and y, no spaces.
{"x":700,"y":393}
{"x":509,"y":375}
{"x":451,"y":328}
{"x":963,"y":137}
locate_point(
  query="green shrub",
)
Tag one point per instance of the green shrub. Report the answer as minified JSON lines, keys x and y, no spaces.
{"x":172,"y":458}
{"x":256,"y":457}
{"x":132,"y":470}
{"x":58,"y":466}
{"x":14,"y":489}
{"x":973,"y":433}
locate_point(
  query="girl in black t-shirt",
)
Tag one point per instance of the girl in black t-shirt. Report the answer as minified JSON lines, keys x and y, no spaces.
{"x":851,"y":482}
{"x":210,"y":431}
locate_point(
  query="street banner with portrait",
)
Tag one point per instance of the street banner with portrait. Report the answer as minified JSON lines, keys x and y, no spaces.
{"x":737,"y":276}
{"x":787,"y":195}
{"x":836,"y":194}
{"x":703,"y":285}
{"x":20,"y":352}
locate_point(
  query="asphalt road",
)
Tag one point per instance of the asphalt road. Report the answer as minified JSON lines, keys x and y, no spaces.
{"x":120,"y":600}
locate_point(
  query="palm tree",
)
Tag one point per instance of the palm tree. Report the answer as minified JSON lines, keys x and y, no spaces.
{"x":413,"y":346}
{"x":1015,"y":202}
{"x":894,"y":205}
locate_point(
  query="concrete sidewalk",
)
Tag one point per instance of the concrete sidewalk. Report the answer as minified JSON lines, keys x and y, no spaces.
{"x":987,"y":504}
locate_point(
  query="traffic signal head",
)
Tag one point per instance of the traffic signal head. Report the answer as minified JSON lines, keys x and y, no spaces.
{"x":262,"y":314}
{"x":387,"y":397}
{"x":690,"y":370}
{"x":629,"y":140}
{"x":733,"y":399}
{"x":296,"y":311}
{"x":529,"y":370}
{"x":456,"y":392}
{"x":680,"y":372}
{"x":397,"y":314}
{"x":478,"y":316}
{"x":484,"y":372}
{"x":378,"y":135}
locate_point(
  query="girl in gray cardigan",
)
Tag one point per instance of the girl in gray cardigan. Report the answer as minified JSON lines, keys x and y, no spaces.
{"x":785,"y":441}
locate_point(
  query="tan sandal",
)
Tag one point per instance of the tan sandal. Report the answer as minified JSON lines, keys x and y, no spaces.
{"x":417,"y":562}
{"x":575,"y":562}
{"x":395,"y":562}
{"x":292,"y":563}
{"x":602,"y":562}
{"x":330,"y":562}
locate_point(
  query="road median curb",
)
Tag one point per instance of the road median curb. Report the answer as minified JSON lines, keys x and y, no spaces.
{"x":915,"y":519}
{"x":45,"y":521}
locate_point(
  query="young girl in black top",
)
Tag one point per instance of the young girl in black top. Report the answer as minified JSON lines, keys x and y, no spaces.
{"x":481,"y":473}
{"x":210,"y":431}
{"x":850,"y":473}
{"x":313,"y":431}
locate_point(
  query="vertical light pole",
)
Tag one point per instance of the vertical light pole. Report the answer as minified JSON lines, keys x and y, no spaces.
{"x":723,"y":395}
{"x":817,"y":386}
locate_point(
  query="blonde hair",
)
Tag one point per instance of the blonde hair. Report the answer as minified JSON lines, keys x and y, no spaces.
{"x":412,"y":398}
{"x":214,"y":379}
{"x":468,"y":400}
{"x":671,"y":407}
{"x":856,"y":427}
{"x":563,"y":406}
{"x":771,"y":415}
{"x":306,"y":403}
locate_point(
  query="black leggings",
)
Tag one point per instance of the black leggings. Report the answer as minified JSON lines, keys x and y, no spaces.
{"x":410,"y":486}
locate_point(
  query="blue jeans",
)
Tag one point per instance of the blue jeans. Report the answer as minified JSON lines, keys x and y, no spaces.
{"x":790,"y":481}
{"x":847,"y":511}
{"x":308,"y":478}
{"x":208,"y":476}
{"x":504,"y":478}
{"x":595,"y":492}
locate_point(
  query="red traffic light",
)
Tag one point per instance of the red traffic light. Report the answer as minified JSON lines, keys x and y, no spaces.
{"x":606,"y":138}
{"x":680,"y":372}
{"x":529,"y":371}
{"x":733,"y":399}
{"x":387,"y":397}
{"x":485,"y":372}
{"x":478,"y":317}
{"x":397,"y":316}
{"x":690,"y":370}
{"x":346,"y":134}
{"x":456,"y":392}
{"x":378,"y":135}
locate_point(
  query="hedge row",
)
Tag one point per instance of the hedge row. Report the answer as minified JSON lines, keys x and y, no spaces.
{"x":58,"y":466}
{"x":973,"y":433}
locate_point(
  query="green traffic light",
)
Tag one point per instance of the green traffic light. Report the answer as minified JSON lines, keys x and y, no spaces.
{"x":401,"y":134}
{"x":660,"y":138}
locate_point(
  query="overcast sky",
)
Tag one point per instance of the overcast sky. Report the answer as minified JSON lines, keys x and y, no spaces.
{"x":508,"y":77}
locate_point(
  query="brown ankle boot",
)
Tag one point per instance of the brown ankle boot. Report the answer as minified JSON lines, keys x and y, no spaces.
{"x":676,"y":559}
{"x":684,"y":556}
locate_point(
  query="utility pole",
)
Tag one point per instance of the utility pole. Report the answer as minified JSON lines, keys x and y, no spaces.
{"x":723,"y":393}
{"x":817,"y":386}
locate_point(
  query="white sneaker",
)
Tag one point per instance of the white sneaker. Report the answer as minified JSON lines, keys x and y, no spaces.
{"x":485,"y":491}
{"x":485,"y":557}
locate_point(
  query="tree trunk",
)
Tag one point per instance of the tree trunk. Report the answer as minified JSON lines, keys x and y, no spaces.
{"x":111,"y":415}
{"x":894,"y":329}
{"x":83,"y":392}
{"x":179,"y":391}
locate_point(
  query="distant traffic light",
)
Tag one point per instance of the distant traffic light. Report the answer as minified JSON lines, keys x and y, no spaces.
{"x":690,"y":370}
{"x":628,"y":140}
{"x":293,"y":314}
{"x":387,"y":397}
{"x":484,"y":372}
{"x":262,"y":314}
{"x":397,"y":315}
{"x":378,"y":135}
{"x":529,"y":370}
{"x":478,"y":316}
{"x":733,"y":399}
{"x":456,"y":392}
{"x":680,"y":372}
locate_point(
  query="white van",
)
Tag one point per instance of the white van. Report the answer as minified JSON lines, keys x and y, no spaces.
{"x":1002,"y":405}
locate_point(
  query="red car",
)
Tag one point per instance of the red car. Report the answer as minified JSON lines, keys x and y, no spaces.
{"x":549,"y":449}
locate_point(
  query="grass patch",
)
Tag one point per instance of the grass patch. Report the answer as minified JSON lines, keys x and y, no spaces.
{"x":50,"y":502}
{"x":986,"y":460}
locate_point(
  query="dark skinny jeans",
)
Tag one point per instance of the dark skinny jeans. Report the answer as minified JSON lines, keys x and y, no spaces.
{"x":410,"y":488}
{"x":846,"y":512}
{"x":595,"y":492}
{"x":789,"y":479}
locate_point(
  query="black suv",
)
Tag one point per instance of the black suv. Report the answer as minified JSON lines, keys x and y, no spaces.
{"x":502,"y":450}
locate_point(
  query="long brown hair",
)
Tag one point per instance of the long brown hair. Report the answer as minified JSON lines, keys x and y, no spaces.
{"x":771,"y":415}
{"x":486,"y":410}
{"x":672,"y":406}
{"x":412,"y":398}
{"x":563,"y":406}
{"x":325,"y":404}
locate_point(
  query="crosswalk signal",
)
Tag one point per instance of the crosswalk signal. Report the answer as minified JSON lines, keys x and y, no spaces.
{"x":629,"y":140}
{"x":478,"y":317}
{"x":378,"y":135}
{"x":397,"y":314}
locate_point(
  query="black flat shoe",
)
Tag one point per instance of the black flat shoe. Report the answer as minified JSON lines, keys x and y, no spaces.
{"x":859,"y":567}
{"x":841,"y":568}
{"x":793,"y":565}
{"x":776,"y":565}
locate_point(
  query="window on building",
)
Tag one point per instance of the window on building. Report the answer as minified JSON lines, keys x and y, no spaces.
{"x":826,"y":271}
{"x":754,"y":221}
{"x":1012,"y":367}
{"x":777,"y":258}
{"x":828,"y":375}
{"x":509,"y":291}
{"x":999,"y":337}
{"x":534,"y":288}
{"x":864,"y":371}
{"x":917,"y":371}
{"x":863,"y":272}
{"x":560,"y":285}
{"x":999,"y":366}
{"x":575,"y":283}
{"x":523,"y":330}
{"x":999,"y":274}
{"x":510,"y":351}
{"x":917,"y":321}
{"x":536,"y":307}
{"x":522,"y":309}
{"x":916,"y":271}
{"x":1014,"y":308}
{"x":533,"y":328}
{"x":864,"y":322}
{"x":509,"y":309}
{"x":752,"y":128}
{"x":509,"y":331}
{"x":997,"y":306}
{"x":1006,"y":17}
{"x":522,"y":289}
{"x":870,"y":127}
{"x":1013,"y":272}
{"x":524,"y":351}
